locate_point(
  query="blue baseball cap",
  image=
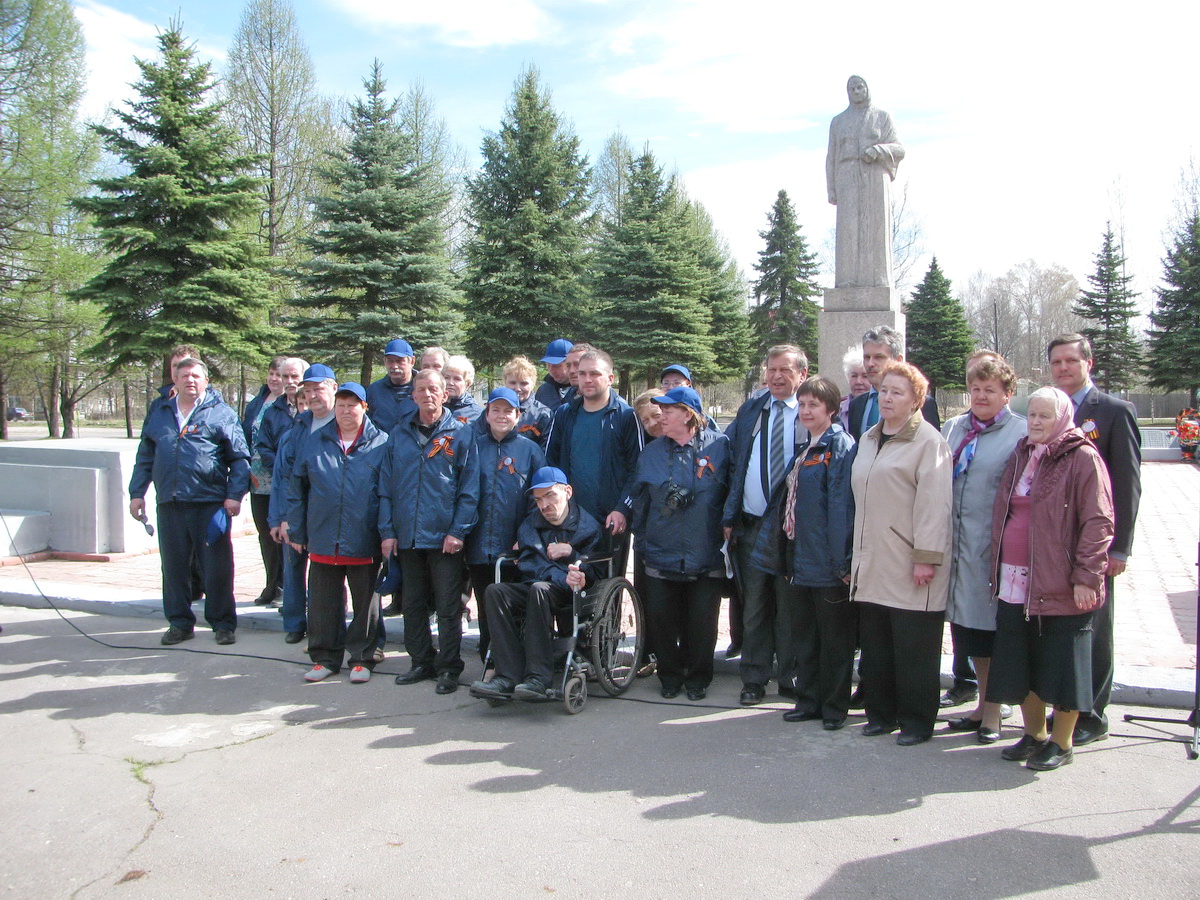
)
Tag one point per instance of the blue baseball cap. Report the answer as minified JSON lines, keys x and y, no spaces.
{"x":508,"y":395}
{"x":398,"y":347}
{"x":548,"y":476}
{"x":676,"y":367}
{"x":352,"y":387}
{"x":556,"y":351}
{"x":684,"y":396}
{"x":217,"y":526}
{"x":317,"y":372}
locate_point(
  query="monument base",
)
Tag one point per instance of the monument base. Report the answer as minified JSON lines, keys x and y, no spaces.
{"x":848,"y":313}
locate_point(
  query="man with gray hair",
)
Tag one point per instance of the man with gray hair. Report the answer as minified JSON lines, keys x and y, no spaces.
{"x":763,"y":439}
{"x":880,"y":346}
{"x":194,"y":451}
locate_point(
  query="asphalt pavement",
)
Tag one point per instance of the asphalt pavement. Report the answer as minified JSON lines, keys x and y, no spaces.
{"x":142,"y":771}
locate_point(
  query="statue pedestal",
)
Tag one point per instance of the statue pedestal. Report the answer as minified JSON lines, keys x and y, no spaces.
{"x":847,"y":314}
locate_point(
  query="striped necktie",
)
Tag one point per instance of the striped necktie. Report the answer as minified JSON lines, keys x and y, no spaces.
{"x":776,"y":460}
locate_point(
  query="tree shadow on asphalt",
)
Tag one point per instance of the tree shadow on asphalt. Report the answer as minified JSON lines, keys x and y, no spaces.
{"x":1183,"y":605}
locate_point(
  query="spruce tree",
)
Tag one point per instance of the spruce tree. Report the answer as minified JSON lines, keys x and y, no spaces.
{"x":184,"y":267}
{"x":939,"y":338}
{"x":530,"y":206}
{"x":379,"y":268}
{"x":1175,"y":323}
{"x":1109,"y":307}
{"x":649,"y":282}
{"x":785,"y":310}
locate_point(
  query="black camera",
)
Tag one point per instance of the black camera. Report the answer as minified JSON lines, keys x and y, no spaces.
{"x":678,"y":497}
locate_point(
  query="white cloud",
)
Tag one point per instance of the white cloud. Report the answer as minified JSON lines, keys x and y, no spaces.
{"x":114,"y":39}
{"x":461,"y":23}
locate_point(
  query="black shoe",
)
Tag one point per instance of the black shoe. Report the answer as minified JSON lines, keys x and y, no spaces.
{"x":1087,"y":733}
{"x":874,"y":729}
{"x":858,"y":700}
{"x":225,"y":636}
{"x":733,"y":651}
{"x":908,"y":739}
{"x":801,"y":715}
{"x":392,"y":609}
{"x":957,"y":696}
{"x":531,"y":690}
{"x":752,"y":694}
{"x":966,"y":723}
{"x":833,"y":724}
{"x":1026,"y":747}
{"x":695,"y":694}
{"x":174,"y":635}
{"x":294,"y":637}
{"x":496,"y":689}
{"x":986,"y":735}
{"x":1005,"y":711}
{"x":415,"y":674}
{"x":447,"y":683}
{"x":670,"y":692}
{"x":1051,"y":757}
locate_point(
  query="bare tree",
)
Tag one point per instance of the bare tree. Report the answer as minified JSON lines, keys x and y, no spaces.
{"x":611,"y":177}
{"x":908,"y":240}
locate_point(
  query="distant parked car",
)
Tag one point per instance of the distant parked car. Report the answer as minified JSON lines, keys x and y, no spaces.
{"x":18,"y":414}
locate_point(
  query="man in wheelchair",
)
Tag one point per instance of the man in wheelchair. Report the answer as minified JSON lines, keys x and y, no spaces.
{"x":521,"y":616}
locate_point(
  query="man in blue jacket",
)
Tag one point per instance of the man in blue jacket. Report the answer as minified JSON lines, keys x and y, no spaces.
{"x":553,"y":390}
{"x":763,"y":437}
{"x":551,"y":541}
{"x":389,"y":399}
{"x":194,"y":451}
{"x":428,"y":499}
{"x":507,"y":461}
{"x":596,"y":439}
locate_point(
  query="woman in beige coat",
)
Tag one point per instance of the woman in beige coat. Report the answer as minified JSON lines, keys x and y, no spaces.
{"x":900,"y":573}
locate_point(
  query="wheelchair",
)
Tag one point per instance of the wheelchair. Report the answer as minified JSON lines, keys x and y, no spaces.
{"x":603,"y":639}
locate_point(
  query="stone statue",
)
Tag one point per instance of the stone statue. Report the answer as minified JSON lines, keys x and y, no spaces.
{"x":860,"y":167}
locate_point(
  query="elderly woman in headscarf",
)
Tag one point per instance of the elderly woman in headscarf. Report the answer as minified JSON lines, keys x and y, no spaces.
{"x":982,"y":440}
{"x":1052,"y":524}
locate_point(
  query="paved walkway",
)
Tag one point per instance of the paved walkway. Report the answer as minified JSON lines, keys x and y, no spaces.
{"x":1156,"y":598}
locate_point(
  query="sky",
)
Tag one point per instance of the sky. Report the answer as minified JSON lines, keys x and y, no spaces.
{"x":1027,"y":126}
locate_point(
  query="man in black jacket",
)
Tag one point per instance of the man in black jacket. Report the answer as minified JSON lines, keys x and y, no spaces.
{"x":1112,"y":426}
{"x":521,"y":616}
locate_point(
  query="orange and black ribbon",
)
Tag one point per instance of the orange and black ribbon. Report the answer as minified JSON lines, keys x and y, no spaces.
{"x":702,"y":466}
{"x":527,"y":428}
{"x":444,"y":445}
{"x":507,"y":463}
{"x":819,"y":459}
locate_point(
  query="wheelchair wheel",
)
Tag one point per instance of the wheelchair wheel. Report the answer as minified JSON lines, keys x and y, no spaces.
{"x":574,"y":694}
{"x":617,"y":635}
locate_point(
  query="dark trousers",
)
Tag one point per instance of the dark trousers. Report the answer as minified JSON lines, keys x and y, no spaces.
{"x":182,"y":528}
{"x":1103,"y":664}
{"x":901,"y":662}
{"x":760,"y":613}
{"x":821,"y":638}
{"x":682,"y":616}
{"x":521,"y":618}
{"x":482,"y":576}
{"x":433,"y":583}
{"x":962,"y":668}
{"x":328,"y":637}
{"x":269,"y":550}
{"x":295,"y":589}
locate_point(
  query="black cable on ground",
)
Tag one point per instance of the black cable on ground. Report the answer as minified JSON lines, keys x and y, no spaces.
{"x":294,"y":662}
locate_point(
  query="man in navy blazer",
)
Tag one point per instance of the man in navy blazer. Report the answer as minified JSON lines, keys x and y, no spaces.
{"x":1111,"y":424}
{"x":880,"y":346}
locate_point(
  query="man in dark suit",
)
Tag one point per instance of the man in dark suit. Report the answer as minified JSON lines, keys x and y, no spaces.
{"x":1112,"y":426}
{"x":880,"y":346}
{"x":763,"y":444}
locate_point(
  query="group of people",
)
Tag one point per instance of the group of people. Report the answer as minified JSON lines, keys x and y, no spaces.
{"x":834,"y":524}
